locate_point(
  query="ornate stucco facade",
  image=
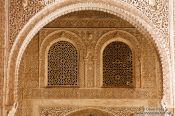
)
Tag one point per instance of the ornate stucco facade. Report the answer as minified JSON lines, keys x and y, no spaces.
{"x":30,"y":28}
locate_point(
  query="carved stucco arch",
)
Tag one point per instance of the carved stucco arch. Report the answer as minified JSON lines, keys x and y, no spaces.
{"x":59,"y":8}
{"x":128,"y":39}
{"x":49,"y":40}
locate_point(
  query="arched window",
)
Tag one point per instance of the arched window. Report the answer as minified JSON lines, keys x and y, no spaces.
{"x":62,"y":64}
{"x":117,"y":65}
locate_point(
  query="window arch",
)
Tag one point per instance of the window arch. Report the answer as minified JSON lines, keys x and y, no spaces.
{"x":117,"y":65}
{"x":62,"y":64}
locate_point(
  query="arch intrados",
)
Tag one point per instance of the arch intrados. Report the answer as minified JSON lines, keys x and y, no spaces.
{"x":129,"y":39}
{"x":117,"y":39}
{"x":49,"y":38}
{"x":51,"y":12}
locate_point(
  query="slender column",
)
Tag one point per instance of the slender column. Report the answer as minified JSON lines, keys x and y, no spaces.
{"x":95,"y":76}
{"x":85,"y":72}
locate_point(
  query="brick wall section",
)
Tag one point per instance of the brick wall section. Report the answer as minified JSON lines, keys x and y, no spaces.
{"x":2,"y":37}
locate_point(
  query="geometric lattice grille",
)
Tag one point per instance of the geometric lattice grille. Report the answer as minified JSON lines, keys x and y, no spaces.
{"x":62,"y":64}
{"x":117,"y":65}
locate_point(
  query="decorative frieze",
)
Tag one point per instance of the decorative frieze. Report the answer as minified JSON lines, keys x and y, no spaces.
{"x":155,"y":10}
{"x":71,"y":110}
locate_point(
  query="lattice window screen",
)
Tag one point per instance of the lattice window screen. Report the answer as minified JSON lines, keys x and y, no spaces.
{"x":62,"y":64}
{"x":117,"y":65}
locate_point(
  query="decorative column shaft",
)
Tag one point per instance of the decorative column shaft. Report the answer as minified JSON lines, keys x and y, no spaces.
{"x":95,"y":76}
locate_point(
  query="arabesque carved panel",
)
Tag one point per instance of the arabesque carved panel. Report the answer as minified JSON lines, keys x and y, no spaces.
{"x":114,"y":111}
